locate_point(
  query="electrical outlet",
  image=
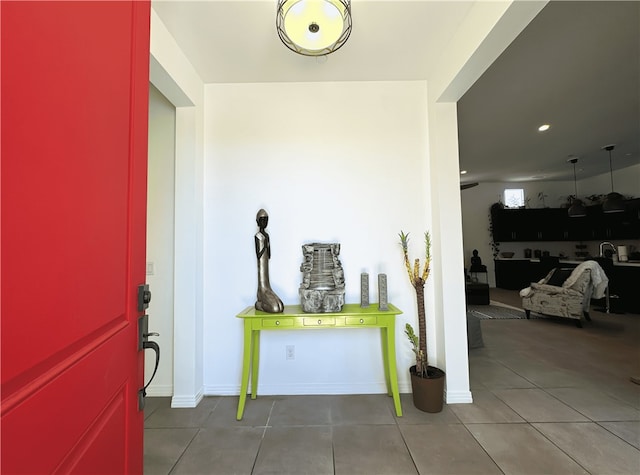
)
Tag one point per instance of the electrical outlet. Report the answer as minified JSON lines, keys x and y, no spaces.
{"x":291,"y":352}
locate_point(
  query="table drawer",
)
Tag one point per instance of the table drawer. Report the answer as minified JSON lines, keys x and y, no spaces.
{"x":319,"y":322}
{"x":361,"y":320}
{"x":277,"y":322}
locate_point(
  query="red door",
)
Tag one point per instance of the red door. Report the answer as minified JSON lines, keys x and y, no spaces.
{"x":74,"y":97}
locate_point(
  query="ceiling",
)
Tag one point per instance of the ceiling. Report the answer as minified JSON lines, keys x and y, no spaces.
{"x":576,"y":66}
{"x":236,"y":41}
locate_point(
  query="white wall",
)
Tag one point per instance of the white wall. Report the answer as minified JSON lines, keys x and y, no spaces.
{"x":371,"y":143}
{"x":160,"y":242}
{"x":330,"y":162}
{"x":476,"y":202}
{"x":447,"y":302}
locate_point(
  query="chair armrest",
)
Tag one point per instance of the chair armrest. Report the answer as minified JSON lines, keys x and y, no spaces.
{"x":552,"y":289}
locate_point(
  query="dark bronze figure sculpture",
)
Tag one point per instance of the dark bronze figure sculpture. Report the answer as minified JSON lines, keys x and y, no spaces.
{"x":476,"y":263}
{"x":267,"y":300}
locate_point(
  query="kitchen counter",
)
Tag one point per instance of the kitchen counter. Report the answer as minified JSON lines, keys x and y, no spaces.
{"x":568,"y":261}
{"x":518,"y":273}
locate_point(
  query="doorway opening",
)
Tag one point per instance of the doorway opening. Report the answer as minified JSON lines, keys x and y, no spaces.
{"x":160,"y":236}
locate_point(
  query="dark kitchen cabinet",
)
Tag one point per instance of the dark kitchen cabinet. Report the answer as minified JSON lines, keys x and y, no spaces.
{"x":624,"y":225}
{"x":516,"y":274}
{"x":599,"y":226}
{"x":540,"y":224}
{"x":513,"y":274}
{"x":578,"y":229}
{"x":503,"y":224}
{"x":551,"y":224}
{"x":554,"y":224}
{"x":624,"y":282}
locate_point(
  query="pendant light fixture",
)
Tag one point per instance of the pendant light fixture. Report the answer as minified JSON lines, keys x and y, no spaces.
{"x":577,"y":209}
{"x":313,"y":27}
{"x":614,"y":202}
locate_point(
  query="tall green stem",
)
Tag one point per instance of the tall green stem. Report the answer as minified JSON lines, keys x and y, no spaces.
{"x":421,"y":360}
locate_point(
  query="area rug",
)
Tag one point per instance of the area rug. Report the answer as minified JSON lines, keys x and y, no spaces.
{"x":495,"y":312}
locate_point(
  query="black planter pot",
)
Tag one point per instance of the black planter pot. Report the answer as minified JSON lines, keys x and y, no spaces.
{"x":428,"y":393}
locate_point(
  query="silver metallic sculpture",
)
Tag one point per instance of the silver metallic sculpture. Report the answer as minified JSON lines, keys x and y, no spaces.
{"x":267,"y":300}
{"x":364,"y":290}
{"x":322,"y":288}
{"x":383,"y":299}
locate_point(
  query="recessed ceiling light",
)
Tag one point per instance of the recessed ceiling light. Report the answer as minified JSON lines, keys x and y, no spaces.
{"x":463,"y":172}
{"x":543,"y":127}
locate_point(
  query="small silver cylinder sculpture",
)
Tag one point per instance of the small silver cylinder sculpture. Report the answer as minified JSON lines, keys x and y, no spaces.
{"x":383,"y":302}
{"x":322,"y":289}
{"x":364,"y":290}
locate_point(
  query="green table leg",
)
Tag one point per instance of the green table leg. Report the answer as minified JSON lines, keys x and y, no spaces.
{"x":246,"y":363}
{"x":391,"y":361}
{"x":385,"y":359}
{"x":255,"y":337}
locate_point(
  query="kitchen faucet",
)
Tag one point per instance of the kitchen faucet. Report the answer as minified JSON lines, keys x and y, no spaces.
{"x":605,"y":243}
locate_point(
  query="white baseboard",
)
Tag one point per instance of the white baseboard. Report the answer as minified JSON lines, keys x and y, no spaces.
{"x":302,"y":389}
{"x":213,"y":390}
{"x":163,"y":390}
{"x":187,"y":400}
{"x":458,"y":397}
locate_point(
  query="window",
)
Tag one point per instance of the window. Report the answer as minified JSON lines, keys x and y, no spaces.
{"x":514,"y":197}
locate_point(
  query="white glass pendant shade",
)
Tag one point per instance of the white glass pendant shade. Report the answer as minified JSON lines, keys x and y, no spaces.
{"x":577,"y":209}
{"x":614,"y":202}
{"x":313,"y":27}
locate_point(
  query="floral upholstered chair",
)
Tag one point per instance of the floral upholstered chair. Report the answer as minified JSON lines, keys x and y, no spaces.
{"x":566,"y":292}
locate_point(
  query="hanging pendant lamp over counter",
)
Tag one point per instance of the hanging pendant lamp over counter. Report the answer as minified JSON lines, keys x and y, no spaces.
{"x":614,"y":202}
{"x":314,"y":27}
{"x":577,"y":209}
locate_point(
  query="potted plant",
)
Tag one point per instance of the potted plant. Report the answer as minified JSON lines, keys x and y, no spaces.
{"x":493,"y":210}
{"x":568,"y":202}
{"x":427,"y":382}
{"x":541,"y":197}
{"x":495,"y":246}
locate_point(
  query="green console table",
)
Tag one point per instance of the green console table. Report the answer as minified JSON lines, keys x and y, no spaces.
{"x":293,"y":318}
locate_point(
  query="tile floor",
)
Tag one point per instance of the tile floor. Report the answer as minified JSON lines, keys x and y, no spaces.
{"x":549,"y":398}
